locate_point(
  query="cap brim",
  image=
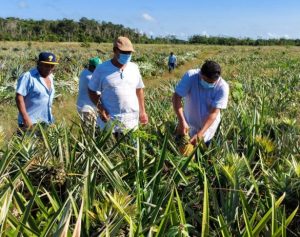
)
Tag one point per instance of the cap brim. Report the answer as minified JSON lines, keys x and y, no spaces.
{"x":126,"y":49}
{"x":52,"y":63}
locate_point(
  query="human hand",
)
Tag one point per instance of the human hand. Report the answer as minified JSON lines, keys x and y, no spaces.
{"x":104,"y":115}
{"x":27,"y":122}
{"x":143,"y":118}
{"x":196,"y":139}
{"x":182,"y":128}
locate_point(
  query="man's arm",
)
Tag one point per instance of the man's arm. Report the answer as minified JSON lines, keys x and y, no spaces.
{"x":143,"y":115}
{"x":22,"y":109}
{"x":209,"y":121}
{"x":95,"y":98}
{"x":183,"y":127}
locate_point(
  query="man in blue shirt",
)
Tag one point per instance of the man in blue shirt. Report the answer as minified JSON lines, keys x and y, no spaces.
{"x":206,"y":94}
{"x":35,"y":92}
{"x":172,"y":61}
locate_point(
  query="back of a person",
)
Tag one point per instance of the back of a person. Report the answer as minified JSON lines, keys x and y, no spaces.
{"x":172,"y":59}
{"x":83,"y":96}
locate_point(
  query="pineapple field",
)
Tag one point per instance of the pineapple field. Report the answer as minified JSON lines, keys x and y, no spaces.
{"x":65,"y":181}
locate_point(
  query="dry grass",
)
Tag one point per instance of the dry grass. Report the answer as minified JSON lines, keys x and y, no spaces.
{"x":64,"y":109}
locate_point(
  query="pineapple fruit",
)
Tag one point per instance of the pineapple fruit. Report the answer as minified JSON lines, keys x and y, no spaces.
{"x":184,"y":146}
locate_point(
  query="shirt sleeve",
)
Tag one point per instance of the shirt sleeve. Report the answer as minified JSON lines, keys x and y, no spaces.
{"x":94,"y":83}
{"x":23,"y":85}
{"x":221,"y":99}
{"x":140,"y":83}
{"x":184,"y":85}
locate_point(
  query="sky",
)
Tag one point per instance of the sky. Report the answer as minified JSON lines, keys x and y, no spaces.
{"x":181,"y":18}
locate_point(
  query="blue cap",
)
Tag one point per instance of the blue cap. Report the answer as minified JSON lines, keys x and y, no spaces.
{"x":48,"y":58}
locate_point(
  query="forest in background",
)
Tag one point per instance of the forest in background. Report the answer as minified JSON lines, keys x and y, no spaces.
{"x":90,"y":30}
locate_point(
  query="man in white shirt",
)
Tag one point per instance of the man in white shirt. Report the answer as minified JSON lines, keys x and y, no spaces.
{"x":121,"y":99}
{"x":86,"y":108}
{"x":205,"y":93}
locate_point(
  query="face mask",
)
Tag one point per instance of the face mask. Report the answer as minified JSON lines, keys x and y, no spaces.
{"x":207,"y":85}
{"x":124,"y":58}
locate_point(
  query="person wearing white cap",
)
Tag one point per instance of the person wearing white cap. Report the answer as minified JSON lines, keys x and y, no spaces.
{"x":121,"y":99}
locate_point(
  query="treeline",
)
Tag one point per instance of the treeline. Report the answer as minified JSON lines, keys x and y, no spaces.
{"x":66,"y":30}
{"x":90,"y":30}
{"x":200,"y":39}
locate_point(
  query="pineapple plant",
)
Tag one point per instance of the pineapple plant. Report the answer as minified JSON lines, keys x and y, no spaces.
{"x":184,"y":146}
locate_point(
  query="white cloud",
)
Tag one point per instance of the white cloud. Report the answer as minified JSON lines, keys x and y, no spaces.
{"x":147,"y":17}
{"x":276,"y":36}
{"x":272,"y":35}
{"x":204,"y":33}
{"x":22,"y":4}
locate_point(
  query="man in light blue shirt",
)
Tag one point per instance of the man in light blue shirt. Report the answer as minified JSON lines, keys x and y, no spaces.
{"x":35,"y":92}
{"x":206,"y":94}
{"x":172,"y":61}
{"x":85,"y":107}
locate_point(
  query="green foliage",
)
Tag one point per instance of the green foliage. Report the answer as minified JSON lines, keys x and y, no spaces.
{"x":62,"y":181}
{"x":219,"y":40}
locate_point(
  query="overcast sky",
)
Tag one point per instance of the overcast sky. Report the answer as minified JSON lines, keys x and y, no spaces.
{"x":182,"y":18}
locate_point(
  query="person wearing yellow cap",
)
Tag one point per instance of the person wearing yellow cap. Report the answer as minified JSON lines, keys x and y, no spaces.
{"x":35,"y":92}
{"x":121,"y":103}
{"x":85,"y":107}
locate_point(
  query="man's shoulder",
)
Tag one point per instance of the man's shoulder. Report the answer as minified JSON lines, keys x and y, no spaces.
{"x":85,"y":72}
{"x":32,"y":73}
{"x":192,"y":72}
{"x":223,"y":85}
{"x":105,"y":64}
{"x":133,"y":65}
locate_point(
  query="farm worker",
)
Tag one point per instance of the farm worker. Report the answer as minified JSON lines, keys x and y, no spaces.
{"x":35,"y":92}
{"x":121,"y":99}
{"x":205,"y":93}
{"x":172,"y":61}
{"x":85,"y":107}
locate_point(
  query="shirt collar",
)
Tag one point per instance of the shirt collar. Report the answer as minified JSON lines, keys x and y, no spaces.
{"x":34,"y":71}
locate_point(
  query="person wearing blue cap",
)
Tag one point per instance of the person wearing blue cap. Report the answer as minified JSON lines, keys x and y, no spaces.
{"x":85,"y":107}
{"x":35,"y":92}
